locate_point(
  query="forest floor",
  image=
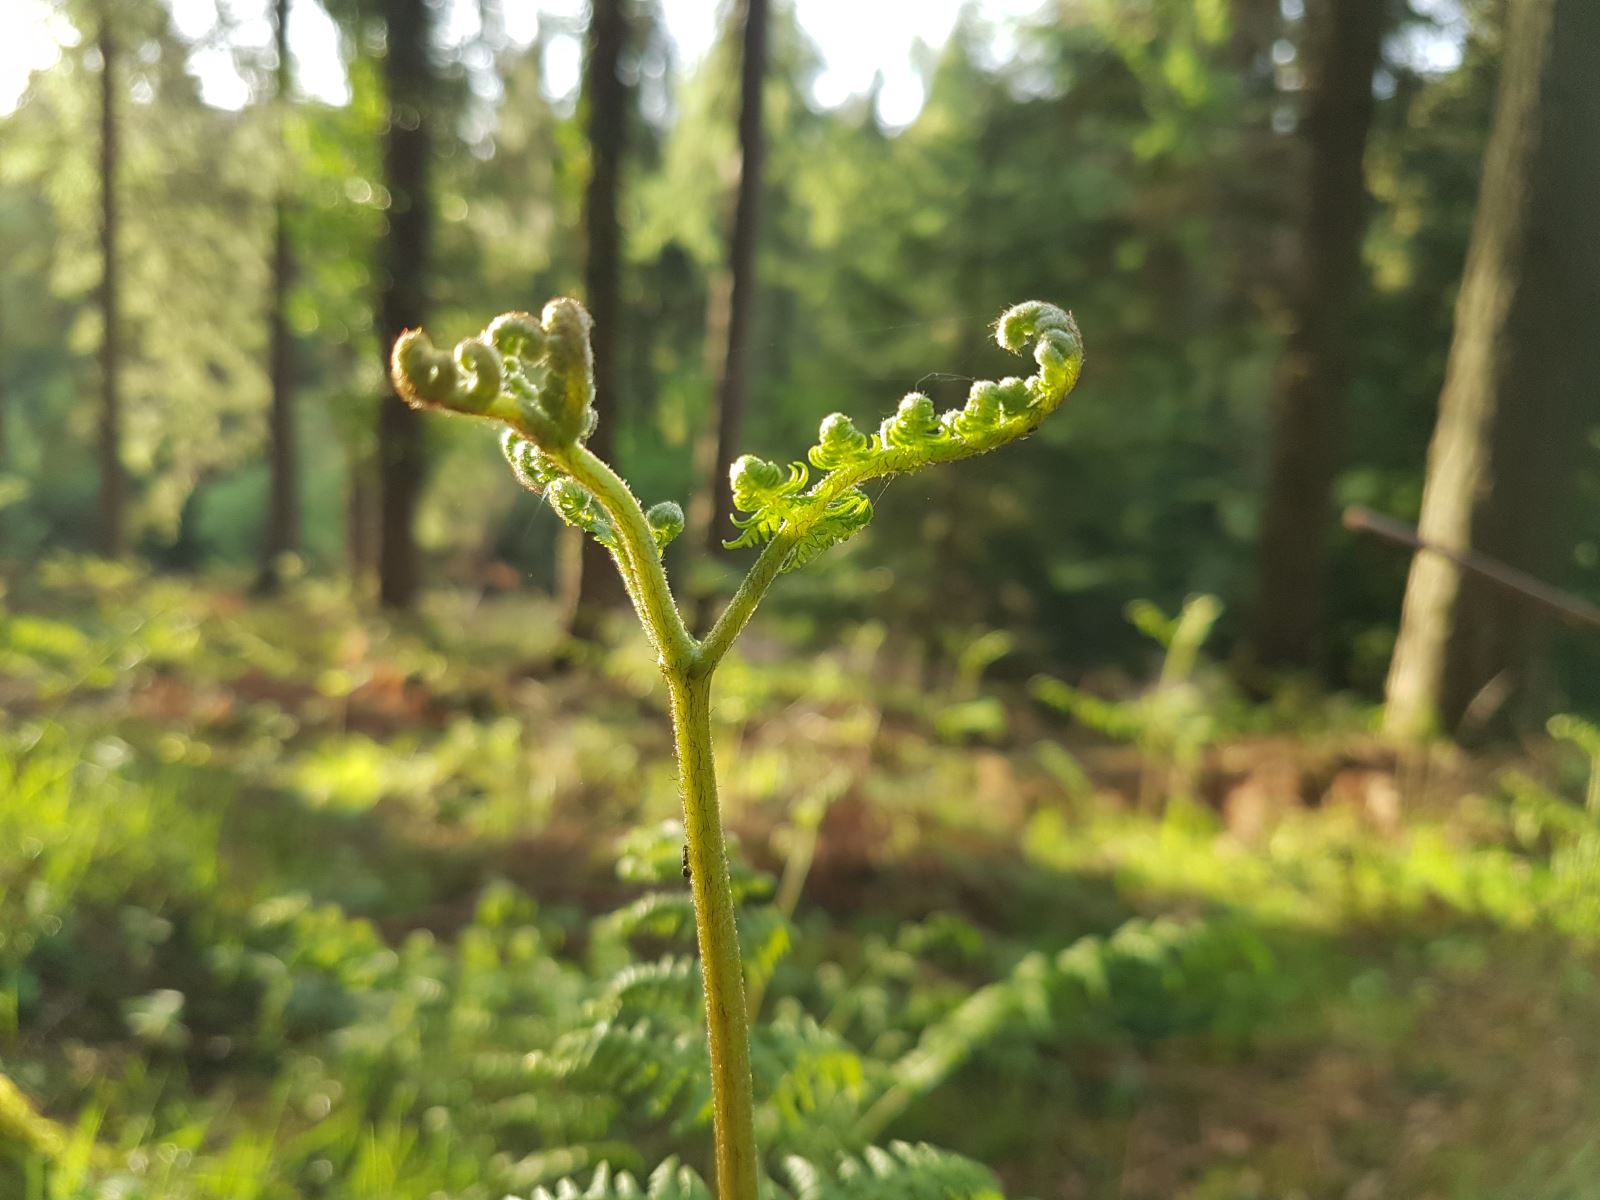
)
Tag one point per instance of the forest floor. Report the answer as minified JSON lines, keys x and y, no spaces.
{"x":229,"y":826}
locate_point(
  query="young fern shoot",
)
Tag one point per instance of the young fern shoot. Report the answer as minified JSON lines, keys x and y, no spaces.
{"x":535,"y":376}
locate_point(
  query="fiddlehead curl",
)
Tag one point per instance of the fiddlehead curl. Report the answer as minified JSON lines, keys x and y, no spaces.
{"x":570,"y":500}
{"x":576,"y":505}
{"x":529,"y":464}
{"x":839,"y":443}
{"x":537,"y":376}
{"x":568,"y":394}
{"x":779,"y":506}
{"x":666,"y":522}
{"x":845,"y":516}
{"x":516,"y":335}
{"x":763,"y":489}
{"x":914,"y":429}
{"x":468,"y":381}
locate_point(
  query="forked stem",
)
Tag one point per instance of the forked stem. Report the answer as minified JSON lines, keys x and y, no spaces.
{"x":688,"y":671}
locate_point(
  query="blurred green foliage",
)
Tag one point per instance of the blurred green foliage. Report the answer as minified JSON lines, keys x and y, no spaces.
{"x":283,"y":918}
{"x":297,"y":901}
{"x":1124,"y":157}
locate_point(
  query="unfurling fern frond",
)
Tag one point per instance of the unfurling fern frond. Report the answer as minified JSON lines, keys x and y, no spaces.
{"x":900,"y":1172}
{"x":666,"y":522}
{"x":839,"y":443}
{"x":778,"y":503}
{"x":842,"y":519}
{"x":536,"y":376}
{"x":766,"y":491}
{"x":573,"y":502}
{"x":646,"y":1057}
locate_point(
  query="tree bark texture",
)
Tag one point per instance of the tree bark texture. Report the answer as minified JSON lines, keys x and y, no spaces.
{"x":1522,"y":384}
{"x":598,"y":587}
{"x":282,"y":533}
{"x":408,"y":242}
{"x":1309,"y":393}
{"x":733,"y":386}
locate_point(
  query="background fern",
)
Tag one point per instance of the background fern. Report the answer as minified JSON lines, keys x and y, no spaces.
{"x":900,"y":1172}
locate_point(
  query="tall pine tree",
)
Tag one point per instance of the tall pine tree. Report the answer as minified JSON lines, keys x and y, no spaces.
{"x":606,"y":104}
{"x":733,"y":384}
{"x":1309,"y":395}
{"x":282,"y":533}
{"x":403,"y":301}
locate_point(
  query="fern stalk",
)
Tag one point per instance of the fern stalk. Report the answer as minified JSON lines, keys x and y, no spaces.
{"x":536,"y":377}
{"x":727,"y":1021}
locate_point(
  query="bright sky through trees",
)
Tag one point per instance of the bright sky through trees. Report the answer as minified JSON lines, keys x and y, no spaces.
{"x":857,"y":42}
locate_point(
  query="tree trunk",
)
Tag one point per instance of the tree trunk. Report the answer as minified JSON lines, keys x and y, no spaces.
{"x":701,"y":527}
{"x":606,"y":100}
{"x":1309,"y":400}
{"x":1520,"y":387}
{"x":282,"y":534}
{"x":734,"y":385}
{"x":112,"y":479}
{"x":407,"y":76}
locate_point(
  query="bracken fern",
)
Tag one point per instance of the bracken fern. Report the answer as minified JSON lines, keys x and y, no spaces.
{"x":536,"y":377}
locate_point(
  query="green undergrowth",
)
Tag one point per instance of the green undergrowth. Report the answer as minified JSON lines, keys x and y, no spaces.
{"x":295,"y":902}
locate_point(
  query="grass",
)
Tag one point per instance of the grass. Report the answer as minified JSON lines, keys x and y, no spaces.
{"x":300,"y":902}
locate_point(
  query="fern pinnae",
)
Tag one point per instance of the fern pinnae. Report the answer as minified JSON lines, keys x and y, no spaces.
{"x":839,"y":443}
{"x":669,"y":984}
{"x":777,"y":504}
{"x":899,"y":1171}
{"x":669,"y":1181}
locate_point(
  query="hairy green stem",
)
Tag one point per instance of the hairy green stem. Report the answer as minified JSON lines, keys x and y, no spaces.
{"x":688,"y":676}
{"x":727,"y":1023}
{"x":742,"y":606}
{"x":637,"y":556}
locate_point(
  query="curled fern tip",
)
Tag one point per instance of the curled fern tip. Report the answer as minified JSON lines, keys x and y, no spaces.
{"x":665,"y":521}
{"x":778,"y":504}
